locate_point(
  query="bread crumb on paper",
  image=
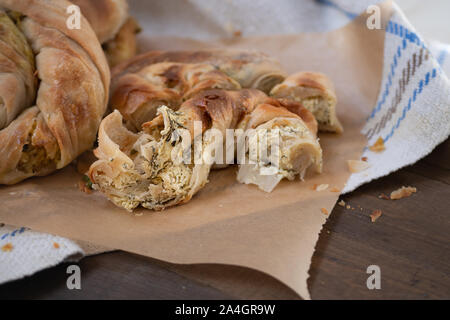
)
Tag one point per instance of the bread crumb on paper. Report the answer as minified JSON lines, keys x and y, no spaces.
{"x":364,"y":159}
{"x":356,"y":166}
{"x":403,"y":192}
{"x":324,"y":211}
{"x":375,"y":215}
{"x":378,"y":146}
{"x":7,"y":247}
{"x":341,"y":203}
{"x":56,"y":245}
{"x":322,"y":187}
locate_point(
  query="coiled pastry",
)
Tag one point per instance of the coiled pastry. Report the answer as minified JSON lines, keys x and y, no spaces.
{"x":160,"y":96}
{"x":54,"y":85}
{"x":115,"y":29}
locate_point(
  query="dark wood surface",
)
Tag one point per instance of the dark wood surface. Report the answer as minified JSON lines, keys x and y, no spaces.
{"x":410,"y":242}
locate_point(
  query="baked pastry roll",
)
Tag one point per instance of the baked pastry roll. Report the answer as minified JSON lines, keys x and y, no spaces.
{"x":53,"y":88}
{"x":314,"y":91}
{"x":167,"y":163}
{"x":114,"y":27}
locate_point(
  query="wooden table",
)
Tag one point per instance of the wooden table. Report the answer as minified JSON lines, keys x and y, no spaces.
{"x":410,"y":242}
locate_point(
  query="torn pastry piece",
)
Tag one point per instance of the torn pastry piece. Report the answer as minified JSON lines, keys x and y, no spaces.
{"x":114,"y":27}
{"x":54,"y":85}
{"x":138,"y":95}
{"x":315,"y":92}
{"x":161,"y":166}
{"x":294,"y":147}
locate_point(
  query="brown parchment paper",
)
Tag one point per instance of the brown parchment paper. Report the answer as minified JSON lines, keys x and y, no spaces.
{"x":227,"y":222}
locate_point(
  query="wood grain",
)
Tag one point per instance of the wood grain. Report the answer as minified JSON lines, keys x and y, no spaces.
{"x":410,"y":242}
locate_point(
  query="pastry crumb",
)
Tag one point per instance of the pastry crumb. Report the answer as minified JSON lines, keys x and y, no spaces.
{"x":348,"y":206}
{"x":334,"y":189}
{"x":322,"y":187}
{"x":356,"y":166}
{"x":403,"y":192}
{"x":341,"y":203}
{"x":383,"y":196}
{"x":7,"y":247}
{"x":56,"y":245}
{"x":324,"y":211}
{"x":314,"y":187}
{"x":364,"y":159}
{"x":378,"y":146}
{"x":375,"y":215}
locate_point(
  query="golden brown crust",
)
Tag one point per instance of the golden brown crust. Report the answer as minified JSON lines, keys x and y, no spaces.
{"x":105,"y":16}
{"x":71,"y":98}
{"x":148,"y":81}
